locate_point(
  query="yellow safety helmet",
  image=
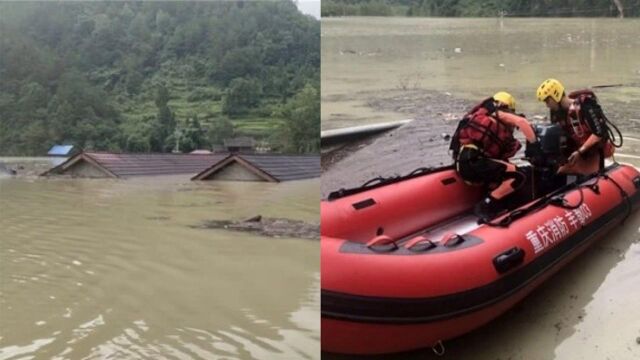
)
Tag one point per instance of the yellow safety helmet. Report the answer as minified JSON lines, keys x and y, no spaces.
{"x":506,"y":99}
{"x":550,"y":87}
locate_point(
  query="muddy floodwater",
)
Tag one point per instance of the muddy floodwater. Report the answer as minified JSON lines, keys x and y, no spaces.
{"x":365,"y":58}
{"x":431,"y":70}
{"x":95,"y":269}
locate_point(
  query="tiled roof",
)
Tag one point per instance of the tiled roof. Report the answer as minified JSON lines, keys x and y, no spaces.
{"x":286,"y":167}
{"x":273,"y":167}
{"x":126,"y":165}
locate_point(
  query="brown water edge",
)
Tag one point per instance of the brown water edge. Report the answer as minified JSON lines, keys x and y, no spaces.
{"x":588,"y":310}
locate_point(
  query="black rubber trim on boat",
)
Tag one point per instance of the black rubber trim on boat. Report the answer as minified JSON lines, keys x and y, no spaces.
{"x":509,"y":259}
{"x":449,"y":181}
{"x":369,"y":309}
{"x":385,"y":181}
{"x":363,"y":204}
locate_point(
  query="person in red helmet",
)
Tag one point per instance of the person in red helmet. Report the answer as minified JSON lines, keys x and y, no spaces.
{"x":482,"y":145}
{"x":582,"y":118}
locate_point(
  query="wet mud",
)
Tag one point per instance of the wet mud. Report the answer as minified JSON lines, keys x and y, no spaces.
{"x":271,"y":227}
{"x":421,"y":143}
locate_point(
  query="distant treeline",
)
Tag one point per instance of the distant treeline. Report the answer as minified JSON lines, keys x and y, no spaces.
{"x":481,"y":8}
{"x":146,"y":76}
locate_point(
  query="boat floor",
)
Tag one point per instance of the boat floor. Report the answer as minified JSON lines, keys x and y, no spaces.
{"x":460,"y":225}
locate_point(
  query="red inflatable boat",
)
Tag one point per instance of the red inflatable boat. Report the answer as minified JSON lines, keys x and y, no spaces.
{"x":405,"y":265}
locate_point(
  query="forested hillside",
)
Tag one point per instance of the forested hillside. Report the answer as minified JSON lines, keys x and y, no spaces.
{"x":143,"y":76}
{"x":479,"y":8}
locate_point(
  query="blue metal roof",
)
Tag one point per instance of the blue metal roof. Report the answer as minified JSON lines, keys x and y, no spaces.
{"x":60,"y":150}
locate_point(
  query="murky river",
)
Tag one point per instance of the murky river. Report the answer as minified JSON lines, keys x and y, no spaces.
{"x":590,"y":309}
{"x":471,"y":58}
{"x":93,"y":269}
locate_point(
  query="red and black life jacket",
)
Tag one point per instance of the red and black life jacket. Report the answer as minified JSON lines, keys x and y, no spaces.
{"x":575,"y":124}
{"x":490,"y":135}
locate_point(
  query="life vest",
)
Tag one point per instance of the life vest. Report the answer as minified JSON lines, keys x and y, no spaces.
{"x":574,"y":123}
{"x":490,"y":135}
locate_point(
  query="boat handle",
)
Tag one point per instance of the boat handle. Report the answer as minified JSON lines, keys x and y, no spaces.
{"x":382,"y":243}
{"x":420,"y":244}
{"x":509,"y":259}
{"x":452,"y":239}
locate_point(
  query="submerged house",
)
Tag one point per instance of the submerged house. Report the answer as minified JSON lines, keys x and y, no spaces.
{"x":110,"y":165}
{"x":243,"y":144}
{"x":263,"y":167}
{"x":233,"y":167}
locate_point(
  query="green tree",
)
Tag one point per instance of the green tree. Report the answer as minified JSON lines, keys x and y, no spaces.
{"x":193,"y":136}
{"x":164,"y":126}
{"x":242,"y":95}
{"x":299,"y":132}
{"x":238,"y":63}
{"x":220,"y":129}
{"x":81,"y":71}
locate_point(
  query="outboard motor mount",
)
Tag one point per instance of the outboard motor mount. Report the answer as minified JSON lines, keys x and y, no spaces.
{"x":546,"y":156}
{"x":551,"y":149}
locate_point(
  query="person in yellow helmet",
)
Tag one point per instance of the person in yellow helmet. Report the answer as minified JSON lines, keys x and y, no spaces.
{"x":583,"y":120}
{"x":482,"y":145}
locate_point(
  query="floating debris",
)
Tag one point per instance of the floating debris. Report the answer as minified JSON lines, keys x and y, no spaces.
{"x":4,"y":170}
{"x":272,"y":227}
{"x":158,"y":218}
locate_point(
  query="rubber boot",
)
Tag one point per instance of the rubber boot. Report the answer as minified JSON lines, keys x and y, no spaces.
{"x":488,"y":208}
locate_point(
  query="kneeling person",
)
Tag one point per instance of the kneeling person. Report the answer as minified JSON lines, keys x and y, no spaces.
{"x":482,"y":146}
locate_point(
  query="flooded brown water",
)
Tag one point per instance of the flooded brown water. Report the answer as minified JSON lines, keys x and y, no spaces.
{"x":93,"y":269}
{"x":587,"y":311}
{"x":470,"y":58}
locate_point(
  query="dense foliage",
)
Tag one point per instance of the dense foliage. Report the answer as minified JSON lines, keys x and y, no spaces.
{"x":477,"y":8}
{"x":147,"y":76}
